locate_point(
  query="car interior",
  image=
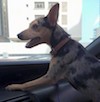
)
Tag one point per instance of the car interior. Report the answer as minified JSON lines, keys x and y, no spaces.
{"x":23,"y":70}
{"x":18,"y":64}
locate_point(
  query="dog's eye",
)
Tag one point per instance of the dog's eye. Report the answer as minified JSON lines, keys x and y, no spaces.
{"x":35,"y":26}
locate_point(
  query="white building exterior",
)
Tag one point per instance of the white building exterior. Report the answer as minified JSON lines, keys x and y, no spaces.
{"x":21,"y":13}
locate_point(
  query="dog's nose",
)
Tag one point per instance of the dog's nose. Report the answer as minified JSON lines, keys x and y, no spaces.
{"x":19,"y":36}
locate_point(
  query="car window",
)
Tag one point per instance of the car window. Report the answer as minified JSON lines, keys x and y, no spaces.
{"x":80,"y":18}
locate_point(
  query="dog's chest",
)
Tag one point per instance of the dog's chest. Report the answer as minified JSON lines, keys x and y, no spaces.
{"x":80,"y":68}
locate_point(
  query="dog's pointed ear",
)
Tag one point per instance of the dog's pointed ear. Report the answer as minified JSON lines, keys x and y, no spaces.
{"x":53,"y":15}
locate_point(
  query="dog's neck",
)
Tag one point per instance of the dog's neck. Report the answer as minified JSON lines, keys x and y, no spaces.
{"x":58,"y":39}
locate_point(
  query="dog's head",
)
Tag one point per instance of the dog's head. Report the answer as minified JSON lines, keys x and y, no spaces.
{"x":40,"y":30}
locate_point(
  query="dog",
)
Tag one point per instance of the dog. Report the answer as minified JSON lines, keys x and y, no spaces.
{"x":70,"y":60}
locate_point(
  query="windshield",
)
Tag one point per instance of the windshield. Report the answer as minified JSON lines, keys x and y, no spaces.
{"x":80,"y":18}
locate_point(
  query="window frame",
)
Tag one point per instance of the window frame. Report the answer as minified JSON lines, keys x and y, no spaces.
{"x":4,"y":32}
{"x":39,"y":5}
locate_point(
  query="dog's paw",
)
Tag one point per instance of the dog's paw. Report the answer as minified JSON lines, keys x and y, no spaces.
{"x":14,"y":87}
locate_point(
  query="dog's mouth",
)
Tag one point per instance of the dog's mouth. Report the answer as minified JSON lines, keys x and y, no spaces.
{"x":33,"y":42}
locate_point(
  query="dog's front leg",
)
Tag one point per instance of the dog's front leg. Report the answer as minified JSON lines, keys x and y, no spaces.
{"x":49,"y":78}
{"x":25,"y":86}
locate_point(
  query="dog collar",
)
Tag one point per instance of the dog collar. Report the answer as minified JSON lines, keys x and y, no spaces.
{"x":55,"y":50}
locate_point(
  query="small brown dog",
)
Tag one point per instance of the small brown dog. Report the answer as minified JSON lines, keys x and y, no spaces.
{"x":70,"y":60}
